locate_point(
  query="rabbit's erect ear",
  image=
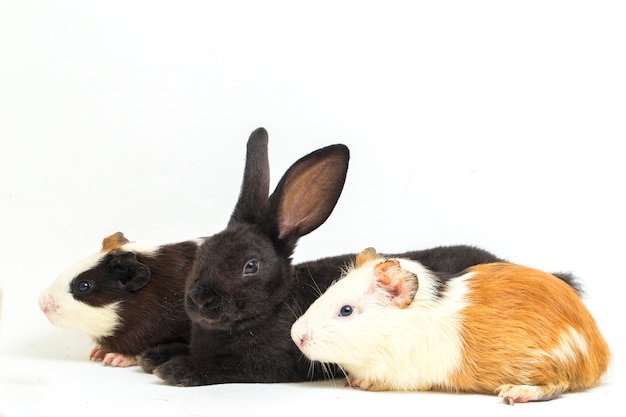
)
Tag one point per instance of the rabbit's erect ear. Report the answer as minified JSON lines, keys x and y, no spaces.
{"x":256,"y":180}
{"x":306,"y":194}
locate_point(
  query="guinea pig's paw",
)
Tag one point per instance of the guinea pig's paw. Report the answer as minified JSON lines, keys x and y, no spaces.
{"x":362,"y":383}
{"x":524,"y":393}
{"x":98,"y":353}
{"x":181,"y":372}
{"x":118,"y":360}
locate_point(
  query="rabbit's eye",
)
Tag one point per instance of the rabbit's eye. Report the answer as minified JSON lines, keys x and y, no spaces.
{"x":251,"y":268}
{"x":346,"y":311}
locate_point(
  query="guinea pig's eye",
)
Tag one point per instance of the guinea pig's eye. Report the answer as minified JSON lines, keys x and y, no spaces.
{"x":345,"y":311}
{"x":84,"y":286}
{"x":251,"y":268}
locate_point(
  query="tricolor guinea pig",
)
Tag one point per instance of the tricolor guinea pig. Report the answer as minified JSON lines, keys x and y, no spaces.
{"x":128,"y":297}
{"x":392,"y":324}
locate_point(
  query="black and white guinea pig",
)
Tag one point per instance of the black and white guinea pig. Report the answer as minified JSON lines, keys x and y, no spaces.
{"x":392,"y":324}
{"x":127,"y":297}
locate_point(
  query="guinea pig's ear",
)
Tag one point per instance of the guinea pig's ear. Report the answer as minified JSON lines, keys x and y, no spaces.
{"x":400,"y":284}
{"x":131,"y":274}
{"x":114,"y":241}
{"x":368,"y":254}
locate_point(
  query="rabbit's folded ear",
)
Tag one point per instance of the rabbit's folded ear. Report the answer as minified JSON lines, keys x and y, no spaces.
{"x":306,"y":195}
{"x":256,"y":180}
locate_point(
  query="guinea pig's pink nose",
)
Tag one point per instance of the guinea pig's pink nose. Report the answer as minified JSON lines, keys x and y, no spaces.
{"x":303,"y":340}
{"x":47,"y":305}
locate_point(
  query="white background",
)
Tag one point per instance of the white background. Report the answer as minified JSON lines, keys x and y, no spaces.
{"x":488,"y":123}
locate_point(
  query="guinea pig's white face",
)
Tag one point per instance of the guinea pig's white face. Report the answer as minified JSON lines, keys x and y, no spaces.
{"x":329,"y":330}
{"x":63,"y":310}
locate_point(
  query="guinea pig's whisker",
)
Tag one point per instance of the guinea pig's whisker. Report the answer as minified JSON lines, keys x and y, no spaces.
{"x":328,"y":372}
{"x":314,"y":286}
{"x":292,"y":310}
{"x":312,"y":364}
{"x":311,"y":369}
{"x":343,"y":371}
{"x":317,"y":287}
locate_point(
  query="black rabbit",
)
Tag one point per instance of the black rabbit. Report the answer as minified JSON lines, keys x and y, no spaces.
{"x":243,"y":293}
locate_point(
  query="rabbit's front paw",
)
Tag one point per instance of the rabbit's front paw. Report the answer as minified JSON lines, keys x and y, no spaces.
{"x":182,"y":372}
{"x":158,"y":355}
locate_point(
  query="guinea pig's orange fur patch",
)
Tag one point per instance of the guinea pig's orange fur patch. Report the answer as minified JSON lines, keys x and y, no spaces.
{"x":115,"y":241}
{"x":556,"y":345}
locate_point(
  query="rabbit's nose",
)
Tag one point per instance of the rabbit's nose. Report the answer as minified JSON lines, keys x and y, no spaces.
{"x":203,"y":303}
